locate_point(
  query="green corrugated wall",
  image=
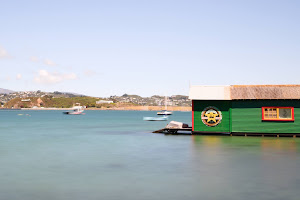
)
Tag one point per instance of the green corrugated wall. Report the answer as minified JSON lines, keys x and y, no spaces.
{"x":245,"y":116}
{"x":223,"y":106}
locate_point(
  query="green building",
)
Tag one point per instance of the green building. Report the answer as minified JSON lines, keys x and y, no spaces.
{"x":246,"y":109}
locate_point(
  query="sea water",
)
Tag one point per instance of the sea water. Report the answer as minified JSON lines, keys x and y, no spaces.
{"x":45,"y":155}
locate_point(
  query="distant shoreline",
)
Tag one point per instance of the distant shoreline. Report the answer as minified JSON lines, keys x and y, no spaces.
{"x":145,"y":108}
{"x":137,"y":108}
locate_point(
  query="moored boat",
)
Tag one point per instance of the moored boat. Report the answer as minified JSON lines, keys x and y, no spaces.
{"x":164,"y":112}
{"x":164,"y":118}
{"x":76,"y":110}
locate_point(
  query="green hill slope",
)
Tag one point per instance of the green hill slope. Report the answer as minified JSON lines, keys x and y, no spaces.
{"x":48,"y":102}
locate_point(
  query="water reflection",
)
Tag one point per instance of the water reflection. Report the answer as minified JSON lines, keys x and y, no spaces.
{"x":289,"y":145}
{"x":247,"y":166}
{"x":264,"y":143}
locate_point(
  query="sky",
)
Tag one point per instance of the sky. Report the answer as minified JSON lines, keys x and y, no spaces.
{"x":103,"y":48}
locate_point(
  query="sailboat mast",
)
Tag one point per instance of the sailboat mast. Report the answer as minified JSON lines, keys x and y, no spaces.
{"x":165,"y":102}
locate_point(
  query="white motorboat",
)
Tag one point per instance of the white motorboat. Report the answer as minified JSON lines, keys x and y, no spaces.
{"x":76,"y":110}
{"x":164,"y":118}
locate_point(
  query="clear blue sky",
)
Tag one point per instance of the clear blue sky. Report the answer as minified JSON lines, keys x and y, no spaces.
{"x":103,"y":48}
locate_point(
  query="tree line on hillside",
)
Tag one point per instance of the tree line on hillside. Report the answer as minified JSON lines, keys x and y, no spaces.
{"x":49,"y":102}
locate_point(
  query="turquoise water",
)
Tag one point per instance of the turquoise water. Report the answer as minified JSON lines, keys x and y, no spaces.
{"x":113,"y":155}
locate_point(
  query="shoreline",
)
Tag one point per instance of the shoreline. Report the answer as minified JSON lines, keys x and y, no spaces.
{"x":133,"y":108}
{"x":146,"y":108}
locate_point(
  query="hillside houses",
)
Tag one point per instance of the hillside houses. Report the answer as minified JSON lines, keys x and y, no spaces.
{"x":175,"y":100}
{"x":155,"y":100}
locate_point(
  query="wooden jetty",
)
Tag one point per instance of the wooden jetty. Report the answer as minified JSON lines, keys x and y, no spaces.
{"x":189,"y":131}
{"x":176,"y":128}
{"x":179,"y":128}
{"x":183,"y":131}
{"x":294,"y":135}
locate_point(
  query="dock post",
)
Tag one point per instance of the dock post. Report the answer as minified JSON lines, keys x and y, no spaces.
{"x":294,"y":136}
{"x":245,"y":135}
{"x":262,"y":135}
{"x":277,"y":135}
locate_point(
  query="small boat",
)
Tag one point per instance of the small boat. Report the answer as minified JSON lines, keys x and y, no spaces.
{"x":164,"y":112}
{"x":164,"y":118}
{"x":76,"y":110}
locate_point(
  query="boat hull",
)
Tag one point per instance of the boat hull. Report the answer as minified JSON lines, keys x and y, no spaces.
{"x":73,"y":113}
{"x":155,"y":118}
{"x":164,"y":113}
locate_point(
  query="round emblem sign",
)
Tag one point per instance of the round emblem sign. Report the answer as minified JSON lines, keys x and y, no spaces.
{"x":211,"y":116}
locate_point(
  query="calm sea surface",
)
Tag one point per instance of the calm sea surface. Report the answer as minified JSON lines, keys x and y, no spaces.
{"x":113,"y":155}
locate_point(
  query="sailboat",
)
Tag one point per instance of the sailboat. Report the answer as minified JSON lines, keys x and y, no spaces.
{"x":165,"y":111}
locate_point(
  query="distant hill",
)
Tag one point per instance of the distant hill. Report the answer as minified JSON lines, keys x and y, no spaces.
{"x":5,"y":91}
{"x":50,"y":102}
{"x":67,"y":94}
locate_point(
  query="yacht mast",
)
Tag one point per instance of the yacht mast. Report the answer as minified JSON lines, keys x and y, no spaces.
{"x":166,"y":102}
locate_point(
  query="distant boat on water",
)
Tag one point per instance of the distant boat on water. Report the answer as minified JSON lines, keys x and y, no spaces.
{"x":165,"y":111}
{"x":76,"y":110}
{"x":164,"y":118}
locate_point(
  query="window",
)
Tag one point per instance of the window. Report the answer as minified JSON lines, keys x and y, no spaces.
{"x":278,"y":114}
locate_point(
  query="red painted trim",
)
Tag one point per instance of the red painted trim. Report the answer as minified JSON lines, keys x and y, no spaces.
{"x":289,"y":120}
{"x":192,"y":115}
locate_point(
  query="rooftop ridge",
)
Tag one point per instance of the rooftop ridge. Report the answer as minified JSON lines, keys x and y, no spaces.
{"x":236,"y":92}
